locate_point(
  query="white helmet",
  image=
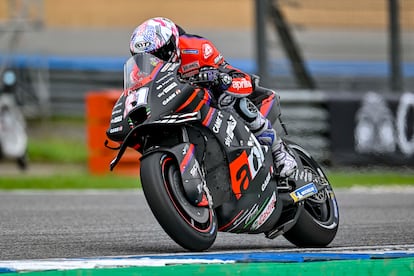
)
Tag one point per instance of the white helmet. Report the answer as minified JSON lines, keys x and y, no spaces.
{"x":158,"y":36}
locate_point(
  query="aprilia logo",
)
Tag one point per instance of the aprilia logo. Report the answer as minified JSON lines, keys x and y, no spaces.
{"x":241,"y":84}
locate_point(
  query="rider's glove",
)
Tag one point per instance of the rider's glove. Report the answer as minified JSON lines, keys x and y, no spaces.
{"x":225,"y":81}
{"x":209,"y":76}
{"x":215,"y":79}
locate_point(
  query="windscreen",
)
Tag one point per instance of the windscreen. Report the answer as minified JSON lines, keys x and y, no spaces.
{"x":140,"y":69}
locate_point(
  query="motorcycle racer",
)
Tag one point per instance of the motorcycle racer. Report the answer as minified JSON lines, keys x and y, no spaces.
{"x":201,"y":61}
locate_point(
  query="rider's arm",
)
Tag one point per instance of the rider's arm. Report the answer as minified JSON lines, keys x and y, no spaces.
{"x":241,"y":85}
{"x":200,"y":54}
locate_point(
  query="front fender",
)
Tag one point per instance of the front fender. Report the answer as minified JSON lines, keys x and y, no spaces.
{"x":190,"y":171}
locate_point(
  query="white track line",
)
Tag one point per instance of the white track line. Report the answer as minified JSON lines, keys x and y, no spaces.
{"x":158,"y":260}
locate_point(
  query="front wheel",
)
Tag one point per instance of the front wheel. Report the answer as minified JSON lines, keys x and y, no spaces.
{"x":194,"y":228}
{"x":318,"y":222}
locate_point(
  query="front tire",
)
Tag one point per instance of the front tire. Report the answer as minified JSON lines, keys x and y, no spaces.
{"x":194,"y":228}
{"x":319,"y":220}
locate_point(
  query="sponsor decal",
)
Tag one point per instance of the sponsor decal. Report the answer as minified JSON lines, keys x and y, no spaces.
{"x":116,"y":129}
{"x":256,"y":156}
{"x":194,"y":170}
{"x":251,"y":215}
{"x":167,"y":89}
{"x":173,"y":66}
{"x":207,"y":50}
{"x":135,"y":99}
{"x":237,"y":220}
{"x":247,"y":215}
{"x":304,"y":192}
{"x":118,"y":104}
{"x":241,"y":84}
{"x":245,"y":168}
{"x":171,"y":97}
{"x":218,"y":122}
{"x":168,"y":99}
{"x":142,"y":45}
{"x":165,"y":67}
{"x":116,"y":111}
{"x":240,"y":174}
{"x":190,"y":74}
{"x":190,"y":51}
{"x":266,"y":182}
{"x":218,"y":59}
{"x":266,"y":213}
{"x":170,"y":87}
{"x":190,"y":66}
{"x":164,"y":83}
{"x":164,"y":77}
{"x":116,"y":119}
{"x":231,"y":125}
{"x":188,"y":152}
{"x":169,"y":67}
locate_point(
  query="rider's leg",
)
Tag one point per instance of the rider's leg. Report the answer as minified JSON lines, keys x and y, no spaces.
{"x":262,"y":128}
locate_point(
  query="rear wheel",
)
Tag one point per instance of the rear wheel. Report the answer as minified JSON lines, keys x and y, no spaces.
{"x":194,"y":228}
{"x":318,"y":222}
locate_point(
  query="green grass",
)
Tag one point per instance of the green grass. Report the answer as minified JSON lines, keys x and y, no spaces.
{"x":83,"y":180}
{"x":73,"y":181}
{"x":57,"y":150}
{"x":385,"y":177}
{"x":57,"y":140}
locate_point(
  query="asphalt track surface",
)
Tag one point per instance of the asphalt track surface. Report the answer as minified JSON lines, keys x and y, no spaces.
{"x":65,"y":224}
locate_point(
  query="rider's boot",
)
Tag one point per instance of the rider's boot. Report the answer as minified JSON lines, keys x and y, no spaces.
{"x":284,"y":162}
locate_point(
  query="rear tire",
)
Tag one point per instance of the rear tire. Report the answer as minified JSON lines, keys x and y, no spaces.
{"x":319,"y":220}
{"x":194,"y":228}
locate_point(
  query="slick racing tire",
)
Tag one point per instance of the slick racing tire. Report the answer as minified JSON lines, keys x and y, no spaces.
{"x":192,"y":227}
{"x":319,"y":220}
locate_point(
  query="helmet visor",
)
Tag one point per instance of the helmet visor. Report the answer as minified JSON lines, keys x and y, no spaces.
{"x":167,"y":51}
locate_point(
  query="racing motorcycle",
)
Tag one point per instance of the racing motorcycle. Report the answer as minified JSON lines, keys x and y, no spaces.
{"x":202,"y":170}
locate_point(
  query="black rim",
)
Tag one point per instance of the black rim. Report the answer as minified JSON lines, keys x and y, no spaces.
{"x":322,"y":205}
{"x":319,"y":205}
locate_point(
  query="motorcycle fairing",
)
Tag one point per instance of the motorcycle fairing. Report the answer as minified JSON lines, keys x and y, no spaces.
{"x":250,"y":164}
{"x":251,"y":182}
{"x":254,"y":206}
{"x":248,"y":160}
{"x":244,"y":217}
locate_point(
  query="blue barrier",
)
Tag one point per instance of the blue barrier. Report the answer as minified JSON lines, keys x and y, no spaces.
{"x":343,"y":68}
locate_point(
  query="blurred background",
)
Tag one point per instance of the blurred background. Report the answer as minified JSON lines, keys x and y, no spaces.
{"x":344,"y":70}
